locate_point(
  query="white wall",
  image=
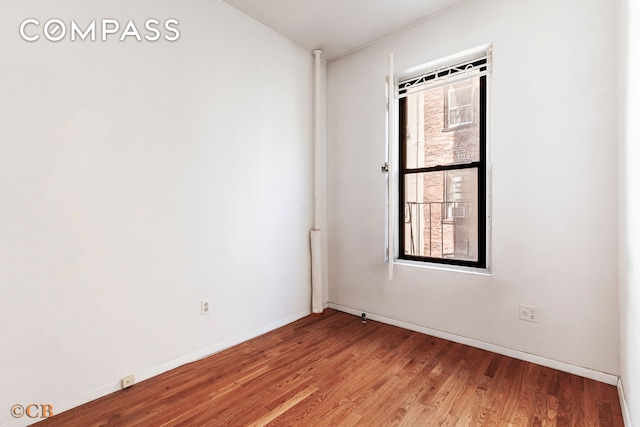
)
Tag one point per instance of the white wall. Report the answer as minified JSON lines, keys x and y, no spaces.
{"x":553,"y":143}
{"x":630,"y":207}
{"x":137,"y":178}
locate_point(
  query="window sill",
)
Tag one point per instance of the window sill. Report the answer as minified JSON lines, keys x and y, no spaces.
{"x":444,"y":267}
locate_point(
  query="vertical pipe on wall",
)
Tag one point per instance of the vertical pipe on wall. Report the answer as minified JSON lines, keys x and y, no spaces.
{"x":316,"y":140}
{"x":317,"y":305}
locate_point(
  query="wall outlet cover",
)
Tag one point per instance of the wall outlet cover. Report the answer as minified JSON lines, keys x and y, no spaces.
{"x":205,"y":306}
{"x":529,"y":313}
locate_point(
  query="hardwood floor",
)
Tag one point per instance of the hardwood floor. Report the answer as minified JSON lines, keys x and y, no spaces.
{"x":335,"y":370}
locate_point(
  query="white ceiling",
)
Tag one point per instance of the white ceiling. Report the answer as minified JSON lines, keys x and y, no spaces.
{"x":338,"y":26}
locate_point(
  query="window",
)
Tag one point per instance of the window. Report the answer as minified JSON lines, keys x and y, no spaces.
{"x":442,"y":175}
{"x":460,"y":105}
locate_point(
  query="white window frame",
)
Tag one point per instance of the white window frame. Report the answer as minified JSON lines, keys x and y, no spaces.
{"x":391,"y":166}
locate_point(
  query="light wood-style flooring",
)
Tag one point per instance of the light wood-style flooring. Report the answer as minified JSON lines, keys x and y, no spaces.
{"x":335,"y":370}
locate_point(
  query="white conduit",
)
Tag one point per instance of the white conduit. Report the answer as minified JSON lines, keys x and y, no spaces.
{"x":317,"y":305}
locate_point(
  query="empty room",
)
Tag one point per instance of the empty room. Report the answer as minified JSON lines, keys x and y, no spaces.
{"x":320,"y":212}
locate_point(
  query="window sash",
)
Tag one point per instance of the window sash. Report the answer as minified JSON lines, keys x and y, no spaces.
{"x":444,"y":226}
{"x":481,"y":189}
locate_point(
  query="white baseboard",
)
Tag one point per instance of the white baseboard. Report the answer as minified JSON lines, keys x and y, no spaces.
{"x":114,"y":386}
{"x":516,"y":354}
{"x":206,"y":352}
{"x":623,"y":404}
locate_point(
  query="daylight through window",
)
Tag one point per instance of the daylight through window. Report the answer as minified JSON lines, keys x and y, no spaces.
{"x":442,"y":129}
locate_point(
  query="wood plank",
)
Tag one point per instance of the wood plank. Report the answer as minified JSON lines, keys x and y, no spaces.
{"x":284,"y":406}
{"x":335,"y":371}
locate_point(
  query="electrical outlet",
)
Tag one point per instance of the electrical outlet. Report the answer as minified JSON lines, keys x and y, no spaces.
{"x":128,"y":381}
{"x":529,"y":313}
{"x":205,"y":306}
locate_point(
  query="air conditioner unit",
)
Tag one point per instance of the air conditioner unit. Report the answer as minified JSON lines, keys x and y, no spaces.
{"x":457,"y":212}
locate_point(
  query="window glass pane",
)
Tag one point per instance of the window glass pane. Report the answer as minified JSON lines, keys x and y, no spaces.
{"x":441,"y":214}
{"x":443,"y":125}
